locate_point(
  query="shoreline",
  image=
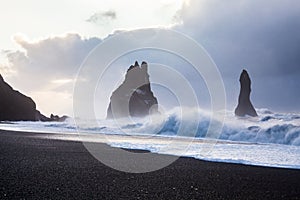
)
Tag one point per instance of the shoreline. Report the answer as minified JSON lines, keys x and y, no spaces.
{"x":37,"y":168}
{"x":131,"y":142}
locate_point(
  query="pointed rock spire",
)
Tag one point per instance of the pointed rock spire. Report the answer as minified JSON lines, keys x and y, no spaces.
{"x":136,"y":64}
{"x":245,"y":106}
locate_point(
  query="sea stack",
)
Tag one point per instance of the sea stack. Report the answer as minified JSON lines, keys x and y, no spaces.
{"x":133,"y":98}
{"x":15,"y":106}
{"x":245,"y":106}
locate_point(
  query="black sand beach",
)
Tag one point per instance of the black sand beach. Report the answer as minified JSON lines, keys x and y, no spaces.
{"x":33,"y":168}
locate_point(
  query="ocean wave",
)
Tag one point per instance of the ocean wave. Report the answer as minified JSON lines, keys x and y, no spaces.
{"x":268,"y":127}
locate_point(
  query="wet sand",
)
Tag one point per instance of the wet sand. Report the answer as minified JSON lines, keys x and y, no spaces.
{"x":36,"y":168}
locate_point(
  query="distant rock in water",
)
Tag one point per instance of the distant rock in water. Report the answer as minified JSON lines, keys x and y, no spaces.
{"x":134,"y":96}
{"x":245,"y":106}
{"x":15,"y":106}
{"x":57,"y":118}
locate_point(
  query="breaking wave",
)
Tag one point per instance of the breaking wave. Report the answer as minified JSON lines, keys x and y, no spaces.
{"x":268,"y":127}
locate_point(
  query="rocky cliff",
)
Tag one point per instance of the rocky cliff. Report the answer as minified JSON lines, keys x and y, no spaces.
{"x":134,"y":96}
{"x":245,"y":106}
{"x":15,"y":106}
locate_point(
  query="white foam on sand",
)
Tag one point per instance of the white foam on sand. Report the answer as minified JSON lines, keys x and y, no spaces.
{"x":272,"y":139}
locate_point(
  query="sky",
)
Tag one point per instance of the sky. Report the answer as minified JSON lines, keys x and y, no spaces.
{"x":43,"y":44}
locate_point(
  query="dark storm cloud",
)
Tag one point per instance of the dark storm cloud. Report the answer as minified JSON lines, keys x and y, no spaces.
{"x":262,"y":36}
{"x":102,"y":16}
{"x":254,"y":33}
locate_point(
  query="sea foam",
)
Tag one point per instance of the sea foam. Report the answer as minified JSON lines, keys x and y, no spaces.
{"x":268,"y":127}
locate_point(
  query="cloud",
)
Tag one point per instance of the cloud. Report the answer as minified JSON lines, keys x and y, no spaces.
{"x":51,"y":58}
{"x":110,"y":14}
{"x":47,"y":65}
{"x":261,"y":36}
{"x":101,"y":17}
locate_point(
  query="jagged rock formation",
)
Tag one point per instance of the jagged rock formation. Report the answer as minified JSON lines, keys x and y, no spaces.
{"x":57,"y":118}
{"x":134,"y":96}
{"x":245,"y":106}
{"x":15,"y":106}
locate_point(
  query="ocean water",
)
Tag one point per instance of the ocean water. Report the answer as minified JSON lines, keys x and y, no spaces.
{"x":271,"y":139}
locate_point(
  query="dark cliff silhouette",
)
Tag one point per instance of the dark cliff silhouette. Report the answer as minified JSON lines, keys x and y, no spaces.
{"x":245,"y":106}
{"x":134,"y":96}
{"x":15,"y":106}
